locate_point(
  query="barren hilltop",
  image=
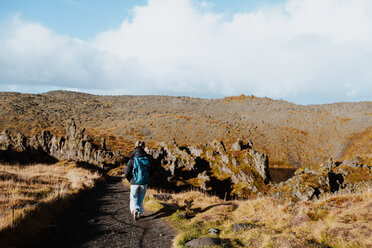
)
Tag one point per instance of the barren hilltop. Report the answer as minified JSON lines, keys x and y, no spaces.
{"x":290,"y":134}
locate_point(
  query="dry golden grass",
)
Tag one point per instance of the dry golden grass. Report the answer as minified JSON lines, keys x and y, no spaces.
{"x":361,"y":146}
{"x":27,"y":185}
{"x":290,"y":134}
{"x":340,"y":220}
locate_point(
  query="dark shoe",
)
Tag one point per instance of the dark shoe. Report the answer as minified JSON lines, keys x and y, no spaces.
{"x":136,"y":215}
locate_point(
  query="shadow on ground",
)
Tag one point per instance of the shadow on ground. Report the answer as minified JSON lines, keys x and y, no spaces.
{"x":170,"y":208}
{"x":99,"y":218}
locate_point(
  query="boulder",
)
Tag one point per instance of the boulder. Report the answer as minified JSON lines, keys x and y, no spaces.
{"x":261,"y":163}
{"x":214,"y":231}
{"x":237,"y":146}
{"x":5,"y":140}
{"x":203,"y":242}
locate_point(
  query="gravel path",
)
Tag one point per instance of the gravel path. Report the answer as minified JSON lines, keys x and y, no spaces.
{"x":101,"y":218}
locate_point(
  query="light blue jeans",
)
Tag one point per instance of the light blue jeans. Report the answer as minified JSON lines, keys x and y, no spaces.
{"x":137,"y":194}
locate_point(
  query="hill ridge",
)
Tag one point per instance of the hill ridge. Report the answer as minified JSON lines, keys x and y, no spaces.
{"x":288,"y":133}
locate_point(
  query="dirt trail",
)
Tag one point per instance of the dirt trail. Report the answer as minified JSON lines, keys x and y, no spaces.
{"x":101,"y":218}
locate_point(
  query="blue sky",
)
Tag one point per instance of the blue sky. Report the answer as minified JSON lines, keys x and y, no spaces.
{"x":305,"y":51}
{"x":85,"y":18}
{"x":77,"y":18}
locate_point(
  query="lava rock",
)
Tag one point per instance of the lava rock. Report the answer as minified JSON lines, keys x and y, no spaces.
{"x":242,"y":226}
{"x":204,"y":242}
{"x":74,"y":146}
{"x":214,"y":231}
{"x":237,"y":146}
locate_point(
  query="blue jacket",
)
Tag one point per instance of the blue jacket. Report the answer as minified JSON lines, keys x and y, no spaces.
{"x":138,"y":152}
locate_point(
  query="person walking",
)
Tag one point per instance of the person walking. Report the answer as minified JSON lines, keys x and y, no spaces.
{"x":137,"y":173}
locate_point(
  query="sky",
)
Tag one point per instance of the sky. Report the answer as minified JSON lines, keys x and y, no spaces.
{"x":303,"y":51}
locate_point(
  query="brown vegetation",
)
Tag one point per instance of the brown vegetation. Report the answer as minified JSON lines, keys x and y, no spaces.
{"x":361,"y":147}
{"x":292,"y":135}
{"x":28,"y":184}
{"x":341,"y":220}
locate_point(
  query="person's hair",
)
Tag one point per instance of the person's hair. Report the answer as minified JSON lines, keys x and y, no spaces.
{"x":140,"y":144}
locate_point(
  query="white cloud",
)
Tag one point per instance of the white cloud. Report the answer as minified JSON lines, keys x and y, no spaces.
{"x":306,"y":51}
{"x":205,"y":4}
{"x":33,"y":57}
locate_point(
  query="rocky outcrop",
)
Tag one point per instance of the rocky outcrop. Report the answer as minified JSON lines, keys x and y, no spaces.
{"x":330,"y":177}
{"x":204,"y":242}
{"x":214,"y":168}
{"x":76,"y":145}
{"x":236,"y":170}
{"x":5,"y":140}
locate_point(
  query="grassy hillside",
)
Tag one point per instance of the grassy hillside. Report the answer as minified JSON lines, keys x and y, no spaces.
{"x":290,"y":134}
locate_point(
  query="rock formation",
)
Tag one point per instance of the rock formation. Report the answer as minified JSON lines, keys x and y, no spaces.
{"x":235,"y":170}
{"x":330,"y":177}
{"x":74,"y":146}
{"x":240,"y":172}
{"x":291,"y":135}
